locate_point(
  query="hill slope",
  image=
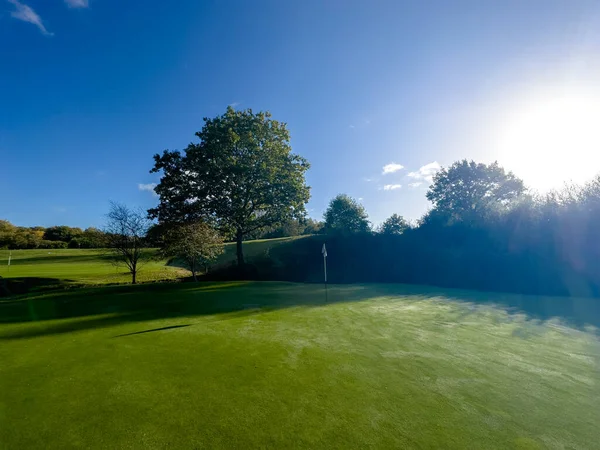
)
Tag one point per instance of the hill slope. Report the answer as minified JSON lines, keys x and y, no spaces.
{"x":43,"y":269}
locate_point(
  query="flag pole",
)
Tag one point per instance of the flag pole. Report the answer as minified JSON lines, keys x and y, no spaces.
{"x":324,"y":251}
{"x":9,"y":257}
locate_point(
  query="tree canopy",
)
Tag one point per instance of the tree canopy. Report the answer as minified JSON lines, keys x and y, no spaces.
{"x":395,"y":224}
{"x":345,"y":215}
{"x":14,"y":237}
{"x":242,"y":176}
{"x":196,"y":244}
{"x":62,"y":233}
{"x":468,"y":190}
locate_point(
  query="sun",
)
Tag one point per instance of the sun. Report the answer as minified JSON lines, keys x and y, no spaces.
{"x":552,"y":140}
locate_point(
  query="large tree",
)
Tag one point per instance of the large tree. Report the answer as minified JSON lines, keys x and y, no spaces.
{"x":196,"y":244}
{"x":345,"y":215}
{"x":468,"y":190}
{"x":242,"y":176}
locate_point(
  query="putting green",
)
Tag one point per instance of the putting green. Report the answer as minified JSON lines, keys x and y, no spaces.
{"x":251,"y":365}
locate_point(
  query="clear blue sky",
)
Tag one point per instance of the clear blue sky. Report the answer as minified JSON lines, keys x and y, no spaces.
{"x":89,"y":91}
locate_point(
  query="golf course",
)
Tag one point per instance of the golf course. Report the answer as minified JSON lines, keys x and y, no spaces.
{"x":274,"y":364}
{"x":305,"y":225}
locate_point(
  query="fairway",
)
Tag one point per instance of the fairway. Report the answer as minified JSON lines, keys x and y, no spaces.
{"x":90,"y":267}
{"x":80,"y":267}
{"x":255,"y":365}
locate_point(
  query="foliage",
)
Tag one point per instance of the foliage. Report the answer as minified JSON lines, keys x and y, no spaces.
{"x":312,"y":226}
{"x":289,"y":228}
{"x":197,"y":244}
{"x":52,"y":245}
{"x":126,"y":231}
{"x":547,"y":245}
{"x":509,"y":241}
{"x":27,"y":238}
{"x":241,"y":177}
{"x":345,"y":215}
{"x":156,"y":233}
{"x":7,"y":232}
{"x":92,"y":238}
{"x":468,"y":190}
{"x":14,"y":237}
{"x":395,"y":224}
{"x":62,"y":233}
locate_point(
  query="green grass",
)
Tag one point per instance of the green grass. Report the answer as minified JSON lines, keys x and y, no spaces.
{"x":93,"y":267}
{"x":255,"y":365}
{"x":79,"y":267}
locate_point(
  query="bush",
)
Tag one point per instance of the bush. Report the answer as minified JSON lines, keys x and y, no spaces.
{"x":44,"y":244}
{"x":459,"y":256}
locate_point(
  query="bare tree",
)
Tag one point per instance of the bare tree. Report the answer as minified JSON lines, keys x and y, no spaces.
{"x":126,"y":236}
{"x":196,"y":244}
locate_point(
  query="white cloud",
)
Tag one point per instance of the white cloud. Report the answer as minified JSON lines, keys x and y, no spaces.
{"x":415,"y":185}
{"x":26,"y":14}
{"x":426,"y":172}
{"x":391,"y":187}
{"x":368,"y":180}
{"x":352,"y":127}
{"x":148,"y":187}
{"x":234,"y":104}
{"x":360,"y":199}
{"x":391,"y":168}
{"x":77,"y":3}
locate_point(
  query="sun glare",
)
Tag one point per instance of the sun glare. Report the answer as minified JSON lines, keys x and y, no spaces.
{"x":552,"y":141}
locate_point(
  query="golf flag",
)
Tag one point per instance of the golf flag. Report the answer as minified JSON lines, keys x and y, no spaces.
{"x":324,"y":252}
{"x":9,"y":256}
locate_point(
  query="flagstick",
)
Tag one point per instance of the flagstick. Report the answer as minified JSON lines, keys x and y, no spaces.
{"x":325,"y":267}
{"x":324,"y":251}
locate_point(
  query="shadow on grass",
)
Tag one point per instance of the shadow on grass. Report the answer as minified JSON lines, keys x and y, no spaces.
{"x":41,"y":328}
{"x":74,"y":256}
{"x":23,"y":285}
{"x":63,"y":258}
{"x":153,"y":330}
{"x":107,"y":306}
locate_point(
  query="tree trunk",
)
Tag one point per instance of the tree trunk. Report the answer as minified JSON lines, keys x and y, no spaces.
{"x":133,"y":274}
{"x":194,"y":270}
{"x":240,"y":252}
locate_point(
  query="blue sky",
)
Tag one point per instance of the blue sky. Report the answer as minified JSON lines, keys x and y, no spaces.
{"x":377,"y":94}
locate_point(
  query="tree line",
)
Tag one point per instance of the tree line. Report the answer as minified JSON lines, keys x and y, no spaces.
{"x":242,"y":181}
{"x":15,"y":237}
{"x":484,"y":229}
